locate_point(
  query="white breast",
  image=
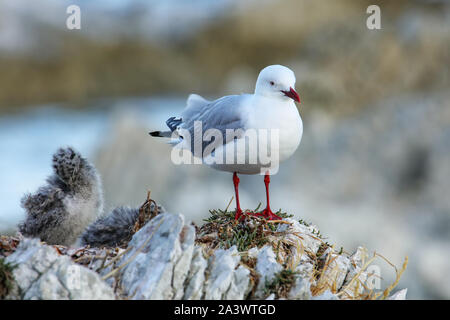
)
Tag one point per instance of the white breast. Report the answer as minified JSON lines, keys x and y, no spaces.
{"x":283,"y":116}
{"x":263,"y":113}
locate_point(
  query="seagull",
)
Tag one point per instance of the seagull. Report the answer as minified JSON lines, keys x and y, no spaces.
{"x":271,"y":108}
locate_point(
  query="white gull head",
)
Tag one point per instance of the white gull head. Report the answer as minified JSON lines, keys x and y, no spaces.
{"x":278,"y":82}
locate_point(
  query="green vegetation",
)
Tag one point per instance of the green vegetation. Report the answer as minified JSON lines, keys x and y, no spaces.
{"x":281,"y":284}
{"x":221,"y":230}
{"x":6,"y":278}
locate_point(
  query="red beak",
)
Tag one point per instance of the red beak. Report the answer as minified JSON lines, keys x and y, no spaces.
{"x":292,"y":94}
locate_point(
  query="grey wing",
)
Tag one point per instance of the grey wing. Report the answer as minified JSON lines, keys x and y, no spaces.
{"x":222,"y":114}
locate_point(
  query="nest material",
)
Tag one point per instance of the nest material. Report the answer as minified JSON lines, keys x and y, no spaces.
{"x":146,"y":213}
{"x":221,"y":230}
{"x":8,"y":245}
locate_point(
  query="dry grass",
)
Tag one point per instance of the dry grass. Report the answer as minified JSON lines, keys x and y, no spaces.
{"x":8,"y":245}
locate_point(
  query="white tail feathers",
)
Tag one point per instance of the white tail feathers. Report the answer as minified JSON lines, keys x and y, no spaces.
{"x":195,"y":100}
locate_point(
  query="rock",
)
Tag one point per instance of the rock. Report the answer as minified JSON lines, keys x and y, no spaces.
{"x":327,"y":295}
{"x":399,"y":295}
{"x":302,"y":240}
{"x":221,"y":273}
{"x":335,"y":271}
{"x":164,"y":264}
{"x":48,"y":287}
{"x":305,"y":270}
{"x":196,"y":276}
{"x":253,"y":252}
{"x":43,"y":274}
{"x":182,"y":266}
{"x":301,"y":289}
{"x":271,"y":296}
{"x":240,"y":285}
{"x":352,"y":285}
{"x":158,"y":262}
{"x":266,"y":267}
{"x":162,"y":261}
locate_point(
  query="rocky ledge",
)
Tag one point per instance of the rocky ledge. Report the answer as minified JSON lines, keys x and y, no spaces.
{"x":169,"y":259}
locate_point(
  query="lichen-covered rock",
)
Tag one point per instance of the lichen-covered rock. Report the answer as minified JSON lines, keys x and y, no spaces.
{"x":196,"y":276}
{"x":305,"y":270}
{"x":335,"y":271}
{"x":221,"y":273}
{"x":327,"y":295}
{"x":41,"y":273}
{"x":399,"y":295}
{"x":302,"y":241}
{"x":182,"y":265}
{"x":300,"y":235}
{"x":271,"y":296}
{"x":240,"y":284}
{"x":356,"y":277}
{"x":301,"y":289}
{"x":158,"y":262}
{"x":266,"y":267}
{"x":253,"y":252}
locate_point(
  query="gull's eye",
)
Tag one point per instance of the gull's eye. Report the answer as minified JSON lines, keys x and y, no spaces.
{"x":272,"y":83}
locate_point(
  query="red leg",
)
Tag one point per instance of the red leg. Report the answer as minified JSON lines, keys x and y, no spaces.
{"x":236,"y":190}
{"x":267,"y":212}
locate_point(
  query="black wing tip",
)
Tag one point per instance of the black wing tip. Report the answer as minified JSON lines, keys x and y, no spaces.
{"x":155,"y":134}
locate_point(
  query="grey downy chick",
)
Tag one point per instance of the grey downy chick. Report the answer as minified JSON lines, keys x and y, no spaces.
{"x":114,"y":229}
{"x":59,"y":211}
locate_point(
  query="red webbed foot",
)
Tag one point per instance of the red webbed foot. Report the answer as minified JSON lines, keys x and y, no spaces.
{"x":268,"y":214}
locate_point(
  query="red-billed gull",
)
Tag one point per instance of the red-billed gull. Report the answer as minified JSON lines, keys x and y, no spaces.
{"x":214,"y":130}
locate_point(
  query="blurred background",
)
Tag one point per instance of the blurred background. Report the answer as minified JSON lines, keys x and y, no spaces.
{"x":373,"y":168}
